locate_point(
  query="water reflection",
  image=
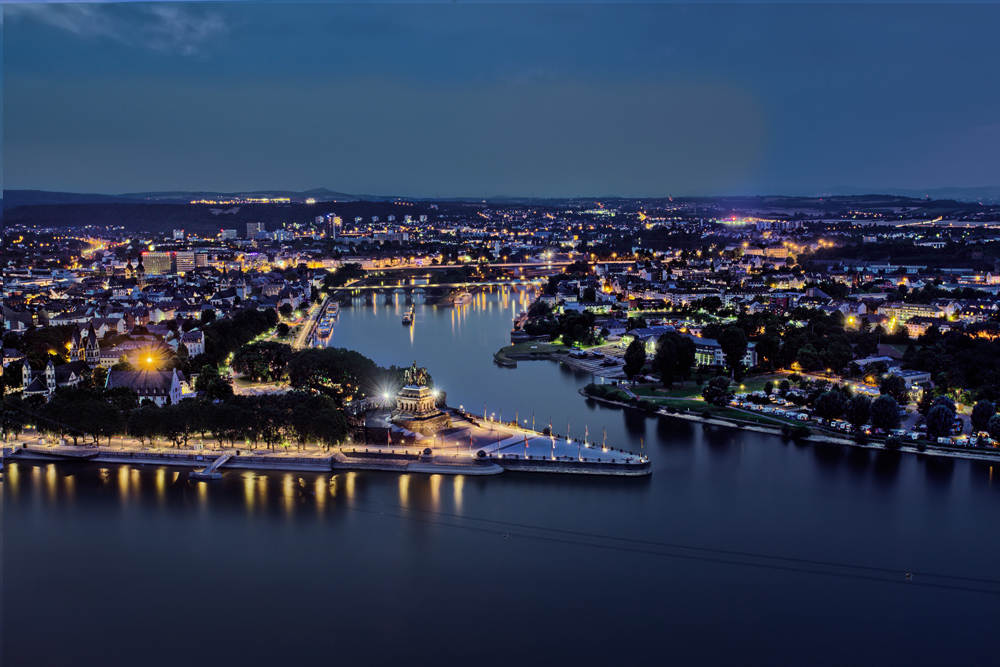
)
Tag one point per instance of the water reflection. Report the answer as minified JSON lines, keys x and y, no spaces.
{"x":939,"y":471}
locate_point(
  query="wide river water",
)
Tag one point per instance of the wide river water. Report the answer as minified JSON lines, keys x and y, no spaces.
{"x":741,"y":548}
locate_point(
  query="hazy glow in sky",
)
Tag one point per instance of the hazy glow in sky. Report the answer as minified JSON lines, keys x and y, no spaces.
{"x":459,"y":100}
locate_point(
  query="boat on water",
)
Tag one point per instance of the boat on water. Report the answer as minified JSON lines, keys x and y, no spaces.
{"x":408,"y":317}
{"x":333,"y":310}
{"x":461,"y":299}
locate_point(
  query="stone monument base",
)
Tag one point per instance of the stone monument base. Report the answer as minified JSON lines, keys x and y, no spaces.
{"x":424,"y":424}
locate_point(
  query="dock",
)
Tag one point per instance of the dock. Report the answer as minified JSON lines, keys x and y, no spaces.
{"x":212,"y":471}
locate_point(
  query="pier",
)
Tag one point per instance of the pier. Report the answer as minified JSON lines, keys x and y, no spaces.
{"x":212,"y":471}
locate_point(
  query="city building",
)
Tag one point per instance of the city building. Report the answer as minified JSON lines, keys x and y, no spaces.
{"x":160,"y":387}
{"x":184,"y":261}
{"x":157,"y":263}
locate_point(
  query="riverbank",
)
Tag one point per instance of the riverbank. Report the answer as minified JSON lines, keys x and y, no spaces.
{"x":930,"y":450}
{"x":488,"y":457}
{"x":509,"y":355}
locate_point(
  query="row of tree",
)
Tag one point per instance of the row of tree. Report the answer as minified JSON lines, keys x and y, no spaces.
{"x":296,"y":417}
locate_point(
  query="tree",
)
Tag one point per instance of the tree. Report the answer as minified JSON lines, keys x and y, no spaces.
{"x":589,"y":295}
{"x":993,"y":427}
{"x":339,"y":373}
{"x":830,"y":405}
{"x":895,"y":386}
{"x":99,"y":377}
{"x":885,"y":413}
{"x":12,"y":420}
{"x":859,"y":410}
{"x":13,"y":376}
{"x":635,"y":358}
{"x":716,"y":391}
{"x":939,"y":421}
{"x":926,"y":401}
{"x":982,"y":412}
{"x":143,"y":423}
{"x":124,"y":399}
{"x":208,"y":374}
{"x":262,"y":361}
{"x":733,"y":342}
{"x":946,"y":401}
{"x":675,"y":355}
{"x":768,"y":348}
{"x":768,"y":387}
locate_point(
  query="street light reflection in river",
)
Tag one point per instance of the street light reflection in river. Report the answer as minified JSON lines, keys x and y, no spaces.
{"x":404,"y":490}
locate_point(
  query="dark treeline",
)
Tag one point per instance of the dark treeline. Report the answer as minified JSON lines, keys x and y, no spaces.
{"x":223,"y":337}
{"x":294,"y":418}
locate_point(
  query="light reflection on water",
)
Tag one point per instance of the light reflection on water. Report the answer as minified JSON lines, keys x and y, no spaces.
{"x":362,"y":552}
{"x":289,"y":492}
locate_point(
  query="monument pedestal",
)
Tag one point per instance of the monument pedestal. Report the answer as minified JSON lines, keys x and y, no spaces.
{"x":415,"y":411}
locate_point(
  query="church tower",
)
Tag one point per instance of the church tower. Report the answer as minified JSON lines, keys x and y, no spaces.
{"x":50,"y":377}
{"x":75,"y":346}
{"x":140,"y":273}
{"x":93,"y":350}
{"x":128,"y":268}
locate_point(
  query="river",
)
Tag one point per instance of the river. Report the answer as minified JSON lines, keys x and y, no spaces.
{"x":740,"y":548}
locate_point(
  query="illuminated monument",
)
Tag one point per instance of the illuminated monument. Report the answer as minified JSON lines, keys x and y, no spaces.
{"x":415,"y":409}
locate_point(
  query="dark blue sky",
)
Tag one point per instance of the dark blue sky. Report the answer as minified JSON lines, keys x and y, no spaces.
{"x":457,"y":99}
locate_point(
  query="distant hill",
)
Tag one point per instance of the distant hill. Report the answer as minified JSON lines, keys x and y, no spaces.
{"x":15,"y":198}
{"x":320,"y":194}
{"x":163,"y":216}
{"x":990,"y":193}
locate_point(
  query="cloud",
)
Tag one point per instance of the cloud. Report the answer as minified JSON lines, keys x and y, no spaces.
{"x":166,"y":28}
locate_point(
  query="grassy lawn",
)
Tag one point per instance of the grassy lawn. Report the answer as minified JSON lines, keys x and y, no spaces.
{"x":756,"y":384}
{"x":689,"y":390}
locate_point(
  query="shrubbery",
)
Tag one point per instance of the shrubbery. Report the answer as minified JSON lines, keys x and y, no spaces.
{"x":648,"y":406}
{"x":801,"y":432}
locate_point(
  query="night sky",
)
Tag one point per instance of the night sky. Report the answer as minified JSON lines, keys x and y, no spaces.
{"x":522,"y":99}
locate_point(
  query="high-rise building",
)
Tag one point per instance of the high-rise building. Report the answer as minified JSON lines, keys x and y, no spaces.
{"x":333,"y":223}
{"x":200,"y":259}
{"x":227,"y":234}
{"x":178,"y":234}
{"x":184,"y":261}
{"x":253,"y":228}
{"x":157,"y":263}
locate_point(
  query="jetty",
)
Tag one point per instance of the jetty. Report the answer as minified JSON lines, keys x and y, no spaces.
{"x":212,"y":471}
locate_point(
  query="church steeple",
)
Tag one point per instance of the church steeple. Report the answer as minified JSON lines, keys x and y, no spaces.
{"x":140,"y":273}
